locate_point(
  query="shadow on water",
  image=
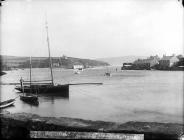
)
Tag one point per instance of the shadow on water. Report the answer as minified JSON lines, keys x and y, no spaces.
{"x":55,"y":95}
{"x":35,"y":104}
{"x":51,"y":97}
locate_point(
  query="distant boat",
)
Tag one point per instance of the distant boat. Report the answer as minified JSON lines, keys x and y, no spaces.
{"x":7,"y":103}
{"x":50,"y":87}
{"x":77,"y":72}
{"x":107,"y":74}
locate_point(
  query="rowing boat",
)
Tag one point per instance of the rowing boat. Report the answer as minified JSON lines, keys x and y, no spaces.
{"x":7,"y":103}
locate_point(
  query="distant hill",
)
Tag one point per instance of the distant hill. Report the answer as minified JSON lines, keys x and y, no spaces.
{"x":118,"y":61}
{"x":8,"y":62}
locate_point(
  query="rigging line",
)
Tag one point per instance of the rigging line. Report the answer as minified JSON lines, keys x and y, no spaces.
{"x":48,"y":44}
{"x":30,"y":73}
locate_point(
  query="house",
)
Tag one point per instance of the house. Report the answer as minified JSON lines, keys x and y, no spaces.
{"x":146,"y":63}
{"x":55,"y":62}
{"x":126,"y":66}
{"x":168,"y":61}
{"x":64,"y":57}
{"x":78,"y":66}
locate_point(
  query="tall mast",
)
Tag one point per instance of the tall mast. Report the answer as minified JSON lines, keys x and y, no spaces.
{"x":50,"y":60}
{"x":30,"y":72}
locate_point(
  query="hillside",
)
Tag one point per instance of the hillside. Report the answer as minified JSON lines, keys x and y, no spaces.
{"x":118,"y":61}
{"x":9,"y":62}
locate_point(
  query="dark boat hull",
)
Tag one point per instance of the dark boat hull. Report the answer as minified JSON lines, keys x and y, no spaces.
{"x":47,"y":89}
{"x":30,"y":99}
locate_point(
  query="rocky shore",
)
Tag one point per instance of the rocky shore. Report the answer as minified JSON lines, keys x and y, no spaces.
{"x":20,"y":125}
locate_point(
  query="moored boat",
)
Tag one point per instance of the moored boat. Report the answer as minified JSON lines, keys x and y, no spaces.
{"x":7,"y":103}
{"x":45,"y":88}
{"x":107,"y":74}
{"x":32,"y":99}
{"x":50,"y":87}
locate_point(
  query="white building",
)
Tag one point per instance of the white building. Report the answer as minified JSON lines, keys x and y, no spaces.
{"x":78,"y":67}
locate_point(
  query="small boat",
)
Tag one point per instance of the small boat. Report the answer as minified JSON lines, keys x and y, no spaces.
{"x":107,"y":74}
{"x":29,"y":98}
{"x":77,"y":72}
{"x":7,"y":103}
{"x":32,"y":99}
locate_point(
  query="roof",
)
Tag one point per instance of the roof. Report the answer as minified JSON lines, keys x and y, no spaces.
{"x":77,"y":63}
{"x":168,"y":57}
{"x":143,"y":61}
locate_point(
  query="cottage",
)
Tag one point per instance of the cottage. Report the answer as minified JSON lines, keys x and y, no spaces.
{"x":78,"y":67}
{"x":168,"y":61}
{"x":146,"y":63}
{"x":55,"y":62}
{"x":126,"y":66}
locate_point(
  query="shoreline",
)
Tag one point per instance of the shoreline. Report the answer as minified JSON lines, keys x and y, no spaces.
{"x":20,"y":125}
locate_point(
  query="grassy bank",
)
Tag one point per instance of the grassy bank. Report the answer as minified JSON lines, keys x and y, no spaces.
{"x":20,"y":125}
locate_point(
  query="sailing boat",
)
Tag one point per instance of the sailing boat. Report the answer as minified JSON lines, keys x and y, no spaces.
{"x":47,"y":87}
{"x":30,"y":98}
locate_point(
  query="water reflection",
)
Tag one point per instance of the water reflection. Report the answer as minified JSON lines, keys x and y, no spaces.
{"x":35,"y":104}
{"x":52,"y":97}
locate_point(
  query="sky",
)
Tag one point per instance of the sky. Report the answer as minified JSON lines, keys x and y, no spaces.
{"x":92,"y":28}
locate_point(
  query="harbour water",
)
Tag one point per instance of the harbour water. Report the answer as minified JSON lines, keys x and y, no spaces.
{"x":153,"y":96}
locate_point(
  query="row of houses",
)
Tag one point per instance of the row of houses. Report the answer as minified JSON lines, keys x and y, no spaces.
{"x":154,"y":62}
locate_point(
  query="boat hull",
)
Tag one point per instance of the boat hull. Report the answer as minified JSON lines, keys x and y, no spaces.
{"x":7,"y":103}
{"x":46,"y":89}
{"x":30,"y":99}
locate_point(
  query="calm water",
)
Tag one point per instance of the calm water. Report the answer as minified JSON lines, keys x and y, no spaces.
{"x":125,"y":96}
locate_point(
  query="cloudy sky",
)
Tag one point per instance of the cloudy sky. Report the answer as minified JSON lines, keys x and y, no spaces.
{"x":92,"y":28}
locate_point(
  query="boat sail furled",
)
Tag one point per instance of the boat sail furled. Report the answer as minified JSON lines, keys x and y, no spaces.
{"x":48,"y":88}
